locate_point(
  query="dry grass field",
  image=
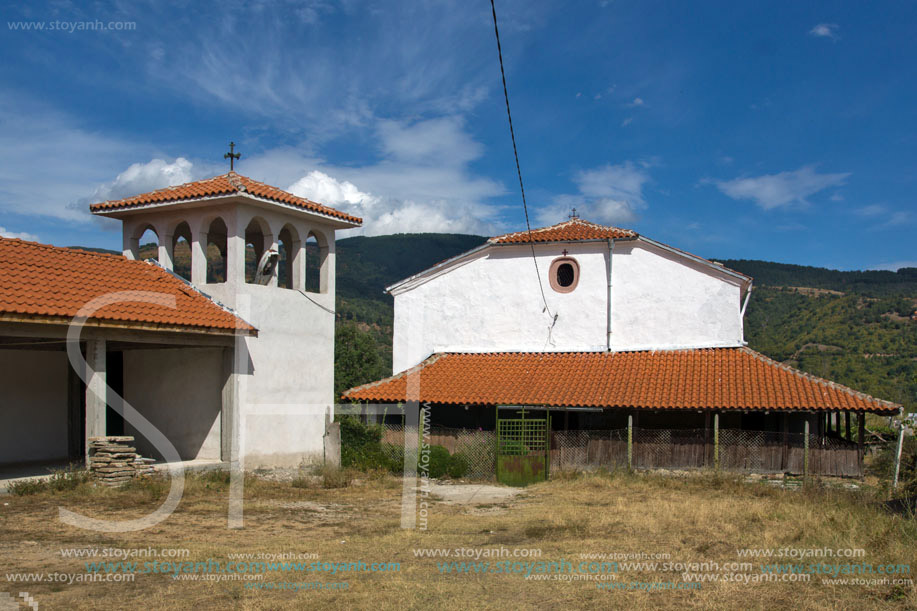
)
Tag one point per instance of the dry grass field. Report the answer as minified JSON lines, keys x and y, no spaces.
{"x":701,"y":519}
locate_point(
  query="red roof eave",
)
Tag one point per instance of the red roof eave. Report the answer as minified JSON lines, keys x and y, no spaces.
{"x":714,"y":378}
{"x":223,"y":185}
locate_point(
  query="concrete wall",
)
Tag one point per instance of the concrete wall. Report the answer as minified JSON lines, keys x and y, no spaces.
{"x":33,"y":405}
{"x":492,"y":302}
{"x":291,"y":386}
{"x":179,"y":391}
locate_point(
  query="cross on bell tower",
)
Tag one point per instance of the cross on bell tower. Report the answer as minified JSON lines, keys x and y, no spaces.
{"x":232,"y":156}
{"x":573,"y":214}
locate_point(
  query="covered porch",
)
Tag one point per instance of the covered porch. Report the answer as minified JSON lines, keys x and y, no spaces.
{"x":182,"y":383}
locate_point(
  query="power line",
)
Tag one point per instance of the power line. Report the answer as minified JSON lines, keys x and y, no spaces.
{"x":512,"y":134}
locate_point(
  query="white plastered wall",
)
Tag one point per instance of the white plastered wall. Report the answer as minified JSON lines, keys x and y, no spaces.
{"x":33,"y":405}
{"x":663,"y":301}
{"x":491,"y":302}
{"x":179,"y":392}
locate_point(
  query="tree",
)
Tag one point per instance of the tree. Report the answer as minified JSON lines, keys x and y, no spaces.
{"x":356,"y":358}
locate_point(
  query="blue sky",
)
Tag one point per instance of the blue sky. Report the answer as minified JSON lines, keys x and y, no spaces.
{"x":782,"y":130}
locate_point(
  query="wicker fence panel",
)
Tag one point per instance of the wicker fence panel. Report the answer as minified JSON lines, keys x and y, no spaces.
{"x":668,"y":448}
{"x":475,"y":445}
{"x":584,"y":449}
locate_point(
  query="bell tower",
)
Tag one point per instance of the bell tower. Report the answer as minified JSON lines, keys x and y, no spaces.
{"x":269,"y":256}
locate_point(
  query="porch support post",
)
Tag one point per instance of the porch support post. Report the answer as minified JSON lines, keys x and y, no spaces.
{"x":96,"y":390}
{"x":847,"y":426}
{"x":716,"y":441}
{"x":229,"y":413}
{"x":707,"y":439}
{"x":630,"y":441}
{"x":861,"y":436}
{"x":784,"y":454}
{"x":805,"y":453}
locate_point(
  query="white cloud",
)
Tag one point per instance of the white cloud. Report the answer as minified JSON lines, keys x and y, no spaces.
{"x":611,"y":194}
{"x":427,"y":58}
{"x":422,"y":182}
{"x":320,"y":187}
{"x":872,"y":210}
{"x":896,"y":219}
{"x":47,"y":160}
{"x":778,"y":190}
{"x":825,"y":30}
{"x":627,"y":121}
{"x":895,"y":265}
{"x":143,"y":177}
{"x":636,"y":102}
{"x":22,"y":235}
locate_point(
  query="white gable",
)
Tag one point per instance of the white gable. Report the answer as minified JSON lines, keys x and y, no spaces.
{"x":489,"y":300}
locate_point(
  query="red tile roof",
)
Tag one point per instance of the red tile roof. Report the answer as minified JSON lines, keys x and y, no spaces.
{"x":225,"y":184}
{"x":574,"y":229}
{"x":719,"y":378}
{"x":43,"y":283}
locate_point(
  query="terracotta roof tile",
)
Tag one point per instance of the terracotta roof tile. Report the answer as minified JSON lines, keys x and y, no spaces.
{"x":574,"y":229}
{"x":225,"y":184}
{"x":720,"y":378}
{"x":42,"y":281}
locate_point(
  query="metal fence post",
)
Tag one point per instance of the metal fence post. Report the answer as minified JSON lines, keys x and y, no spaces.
{"x":630,"y":441}
{"x":898,"y":454}
{"x":497,"y":442}
{"x":716,"y":441}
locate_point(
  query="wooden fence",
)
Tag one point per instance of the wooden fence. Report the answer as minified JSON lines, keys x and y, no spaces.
{"x":750,"y":451}
{"x":745,"y":451}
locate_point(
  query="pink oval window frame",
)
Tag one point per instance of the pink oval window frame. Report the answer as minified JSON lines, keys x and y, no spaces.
{"x":555,"y":268}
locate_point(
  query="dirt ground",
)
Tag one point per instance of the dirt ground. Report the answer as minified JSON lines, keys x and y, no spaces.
{"x":580,"y":541}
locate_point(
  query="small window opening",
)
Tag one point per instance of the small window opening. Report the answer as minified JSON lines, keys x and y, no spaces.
{"x":564,"y":274}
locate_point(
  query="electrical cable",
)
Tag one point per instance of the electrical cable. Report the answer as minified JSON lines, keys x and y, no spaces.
{"x":512,"y":134}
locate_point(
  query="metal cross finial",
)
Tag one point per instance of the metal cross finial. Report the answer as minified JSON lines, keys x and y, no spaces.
{"x":232,"y":156}
{"x":573,"y":214}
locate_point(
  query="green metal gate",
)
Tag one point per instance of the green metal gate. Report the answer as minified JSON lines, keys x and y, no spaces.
{"x":523,"y":451}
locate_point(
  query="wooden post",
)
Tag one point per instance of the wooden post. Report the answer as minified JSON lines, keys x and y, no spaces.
{"x":630,"y":441}
{"x":805,"y":451}
{"x":716,"y":441}
{"x":847,"y":426}
{"x":785,"y":452}
{"x":706,"y":439}
{"x":861,"y":436}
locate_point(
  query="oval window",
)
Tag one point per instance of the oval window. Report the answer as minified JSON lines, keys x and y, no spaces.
{"x":564,"y":274}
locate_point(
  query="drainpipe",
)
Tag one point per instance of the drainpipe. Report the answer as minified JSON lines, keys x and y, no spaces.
{"x":611,"y":250}
{"x":742,"y":313}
